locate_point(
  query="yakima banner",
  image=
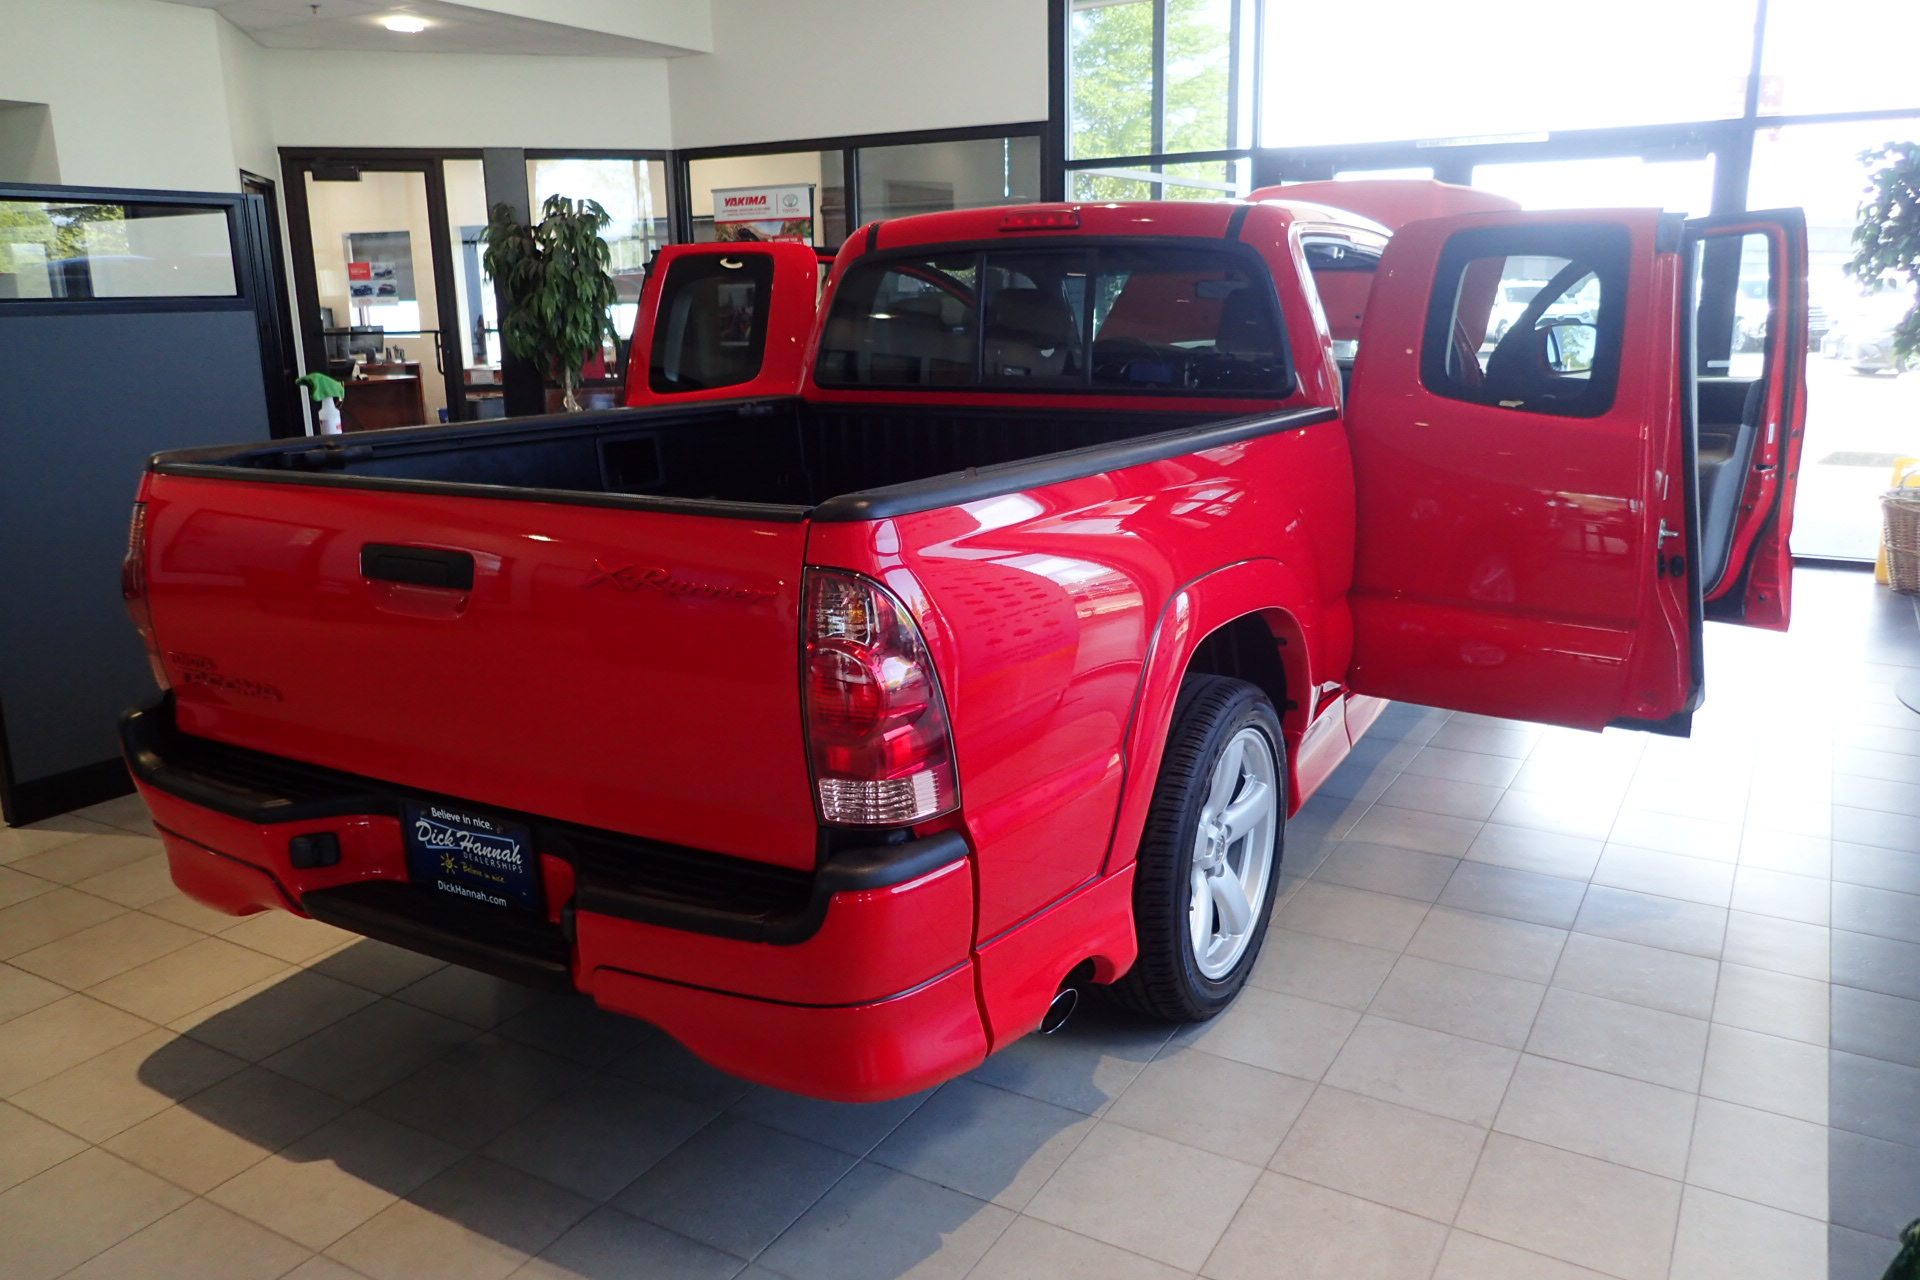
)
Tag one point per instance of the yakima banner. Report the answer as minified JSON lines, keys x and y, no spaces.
{"x":763,"y":213}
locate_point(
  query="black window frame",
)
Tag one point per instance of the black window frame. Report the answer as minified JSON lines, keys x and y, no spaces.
{"x":1241,"y":255}
{"x":1605,"y":247}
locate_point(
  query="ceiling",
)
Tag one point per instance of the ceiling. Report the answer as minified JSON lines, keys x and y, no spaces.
{"x":477,"y":26}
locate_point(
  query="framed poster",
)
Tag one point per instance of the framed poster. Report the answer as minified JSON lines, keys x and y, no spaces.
{"x":380,"y":267}
{"x":764,"y":213}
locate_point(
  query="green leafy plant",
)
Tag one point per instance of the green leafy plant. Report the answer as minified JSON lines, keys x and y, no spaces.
{"x":1886,"y":241}
{"x":557,"y":285}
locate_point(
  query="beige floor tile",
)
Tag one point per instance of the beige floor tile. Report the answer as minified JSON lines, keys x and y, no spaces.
{"x":1651,"y":977}
{"x":127,"y":1084}
{"x":370,"y":1050}
{"x":138,"y":884}
{"x":1595,"y":1113}
{"x":1462,"y":1002}
{"x":1379,"y":1151}
{"x":1507,"y":738}
{"x":1411,"y":829}
{"x":1450,"y":796}
{"x":18,"y":886}
{"x":1543,"y":852}
{"x":29,"y":1145}
{"x":1757,"y":1155}
{"x":1084,"y":1065}
{"x":1323,"y":969}
{"x":1779,"y":893}
{"x":735,"y":1185}
{"x":597,"y":1138}
{"x":1471,"y":1257}
{"x":1145,"y":1194}
{"x":323,"y":1269}
{"x":855,"y":1128}
{"x":1670,"y":833}
{"x":58,"y":1219}
{"x":1463,"y":766}
{"x":1785,"y":851}
{"x":180,"y":982}
{"x":1514,"y":895}
{"x":1665,"y":875}
{"x":1279,"y":1032}
{"x":287,"y":937}
{"x":197,"y":1240}
{"x":378,"y":966}
{"x":1563,"y":813}
{"x":258,"y":1021}
{"x":39,"y":1045}
{"x":111,"y":947}
{"x":905,"y":1227}
{"x":227,"y":1128}
{"x":336,"y":1178}
{"x":23,"y":992}
{"x":986,"y":1142}
{"x":1573,"y":1207}
{"x":478,"y":999}
{"x":1308,"y":1232}
{"x":128,"y":813}
{"x":1723,"y":1238}
{"x":50,"y":917}
{"x":1627,"y":915}
{"x":1352,"y":915}
{"x":1035,"y":1250}
{"x":186,"y":1149}
{"x":1219,"y":1105}
{"x":1770,"y":1073}
{"x":610,"y":1245}
{"x":1775,"y":1004}
{"x":477,"y":1090}
{"x":1494,"y":944}
{"x":91,"y":855}
{"x":1783,"y":946}
{"x":1380,"y":868}
{"x":181,"y":909}
{"x":477,"y":1221}
{"x":21,"y":842}
{"x":1644,"y":1044}
{"x":1431,"y":1071}
{"x":592,"y":1037}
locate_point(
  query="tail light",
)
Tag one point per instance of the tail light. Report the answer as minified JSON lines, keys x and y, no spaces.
{"x":133,"y":589}
{"x":877,"y":731}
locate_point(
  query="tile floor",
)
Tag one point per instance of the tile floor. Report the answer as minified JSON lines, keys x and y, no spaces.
{"x":1537,"y":1004}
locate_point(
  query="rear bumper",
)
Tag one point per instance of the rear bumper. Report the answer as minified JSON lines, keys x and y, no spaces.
{"x":853,"y":983}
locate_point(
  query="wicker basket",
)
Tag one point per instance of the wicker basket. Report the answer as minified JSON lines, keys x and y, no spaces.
{"x":1900,"y":522}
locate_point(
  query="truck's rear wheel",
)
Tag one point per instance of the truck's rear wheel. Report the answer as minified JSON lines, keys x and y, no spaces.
{"x":1210,"y":854}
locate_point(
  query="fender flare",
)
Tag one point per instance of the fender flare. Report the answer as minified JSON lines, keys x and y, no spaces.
{"x":1266,"y":588}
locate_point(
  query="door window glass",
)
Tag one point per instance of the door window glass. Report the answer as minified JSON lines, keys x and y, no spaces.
{"x":712,"y":327}
{"x":61,"y":249}
{"x":1528,"y":319}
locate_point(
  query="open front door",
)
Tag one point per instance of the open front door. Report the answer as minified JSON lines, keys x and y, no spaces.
{"x":723,"y":322}
{"x":1748,"y":400}
{"x":1521,"y":471}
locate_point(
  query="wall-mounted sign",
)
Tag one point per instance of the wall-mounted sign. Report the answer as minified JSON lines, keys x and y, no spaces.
{"x":380,"y":267}
{"x":764,"y":213}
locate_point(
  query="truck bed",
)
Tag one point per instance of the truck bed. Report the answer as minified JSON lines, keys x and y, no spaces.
{"x":735,"y":457}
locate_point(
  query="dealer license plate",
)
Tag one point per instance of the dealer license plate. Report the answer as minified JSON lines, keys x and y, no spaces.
{"x":472,"y":856}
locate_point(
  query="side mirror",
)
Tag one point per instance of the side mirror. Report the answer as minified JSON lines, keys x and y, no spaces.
{"x":1570,"y":344}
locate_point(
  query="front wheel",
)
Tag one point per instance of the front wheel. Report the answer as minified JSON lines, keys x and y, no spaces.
{"x":1210,"y":855}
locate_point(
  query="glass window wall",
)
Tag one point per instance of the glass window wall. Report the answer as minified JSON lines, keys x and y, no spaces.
{"x":929,"y":177}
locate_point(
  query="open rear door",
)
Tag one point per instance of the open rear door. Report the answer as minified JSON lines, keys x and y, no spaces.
{"x":723,"y":322}
{"x":1747,"y":399}
{"x":1521,"y":471}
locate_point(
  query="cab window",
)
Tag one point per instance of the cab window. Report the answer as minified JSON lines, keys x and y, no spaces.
{"x":1529,"y":318}
{"x":711,"y":328}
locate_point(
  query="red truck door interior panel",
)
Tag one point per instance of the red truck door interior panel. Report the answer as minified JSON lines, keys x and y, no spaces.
{"x":1529,"y":540}
{"x":723,"y":322}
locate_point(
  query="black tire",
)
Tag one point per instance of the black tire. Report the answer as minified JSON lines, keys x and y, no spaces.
{"x":1166,"y":982}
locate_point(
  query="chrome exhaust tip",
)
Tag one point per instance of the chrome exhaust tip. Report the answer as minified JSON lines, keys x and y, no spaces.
{"x":1060,"y":1010}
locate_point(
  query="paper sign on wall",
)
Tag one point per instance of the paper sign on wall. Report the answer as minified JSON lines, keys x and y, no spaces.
{"x":764,"y":213}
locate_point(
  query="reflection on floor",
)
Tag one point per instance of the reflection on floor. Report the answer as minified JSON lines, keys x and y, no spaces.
{"x":1538,"y":1005}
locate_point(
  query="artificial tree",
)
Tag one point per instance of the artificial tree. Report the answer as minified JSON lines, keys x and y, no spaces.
{"x":555,"y":284}
{"x":1886,"y":242}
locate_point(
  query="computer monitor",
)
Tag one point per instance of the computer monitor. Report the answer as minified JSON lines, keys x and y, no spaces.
{"x":366,"y":340}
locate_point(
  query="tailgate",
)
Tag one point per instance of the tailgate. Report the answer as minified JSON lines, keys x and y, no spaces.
{"x":626,"y":669}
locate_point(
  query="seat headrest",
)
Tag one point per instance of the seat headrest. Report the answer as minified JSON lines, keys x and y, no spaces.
{"x":1031,"y":316}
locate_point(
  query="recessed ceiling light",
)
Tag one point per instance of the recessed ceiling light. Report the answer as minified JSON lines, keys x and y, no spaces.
{"x":405,"y":23}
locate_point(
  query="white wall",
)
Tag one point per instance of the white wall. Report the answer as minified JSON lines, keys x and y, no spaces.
{"x":137,"y":90}
{"x":832,"y":67}
{"x":328,"y":99}
{"x":243,"y":69}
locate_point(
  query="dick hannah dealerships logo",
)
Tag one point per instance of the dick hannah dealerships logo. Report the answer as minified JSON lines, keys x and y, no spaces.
{"x":480,"y":851}
{"x":636,"y":578}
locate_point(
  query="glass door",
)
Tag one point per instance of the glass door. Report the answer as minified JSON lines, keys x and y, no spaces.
{"x":379,"y":308}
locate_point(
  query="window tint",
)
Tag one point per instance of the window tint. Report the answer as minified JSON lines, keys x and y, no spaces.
{"x":711,"y":330}
{"x":1151,"y":318}
{"x":1529,"y":319}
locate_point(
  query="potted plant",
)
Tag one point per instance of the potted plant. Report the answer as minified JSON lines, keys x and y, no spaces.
{"x":1886,"y":242}
{"x":556,"y":287}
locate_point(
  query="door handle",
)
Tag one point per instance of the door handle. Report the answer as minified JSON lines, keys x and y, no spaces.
{"x":417,"y":566}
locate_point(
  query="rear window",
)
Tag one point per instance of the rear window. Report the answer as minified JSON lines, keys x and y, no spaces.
{"x":1141,"y":318}
{"x":711,"y":330}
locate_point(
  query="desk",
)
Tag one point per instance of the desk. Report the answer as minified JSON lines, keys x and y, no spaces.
{"x":390,"y":395}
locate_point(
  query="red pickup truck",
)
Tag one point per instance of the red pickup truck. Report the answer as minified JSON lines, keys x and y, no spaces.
{"x":845,"y":734}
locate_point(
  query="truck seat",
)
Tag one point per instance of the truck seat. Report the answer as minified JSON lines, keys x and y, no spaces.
{"x":1030,"y":333}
